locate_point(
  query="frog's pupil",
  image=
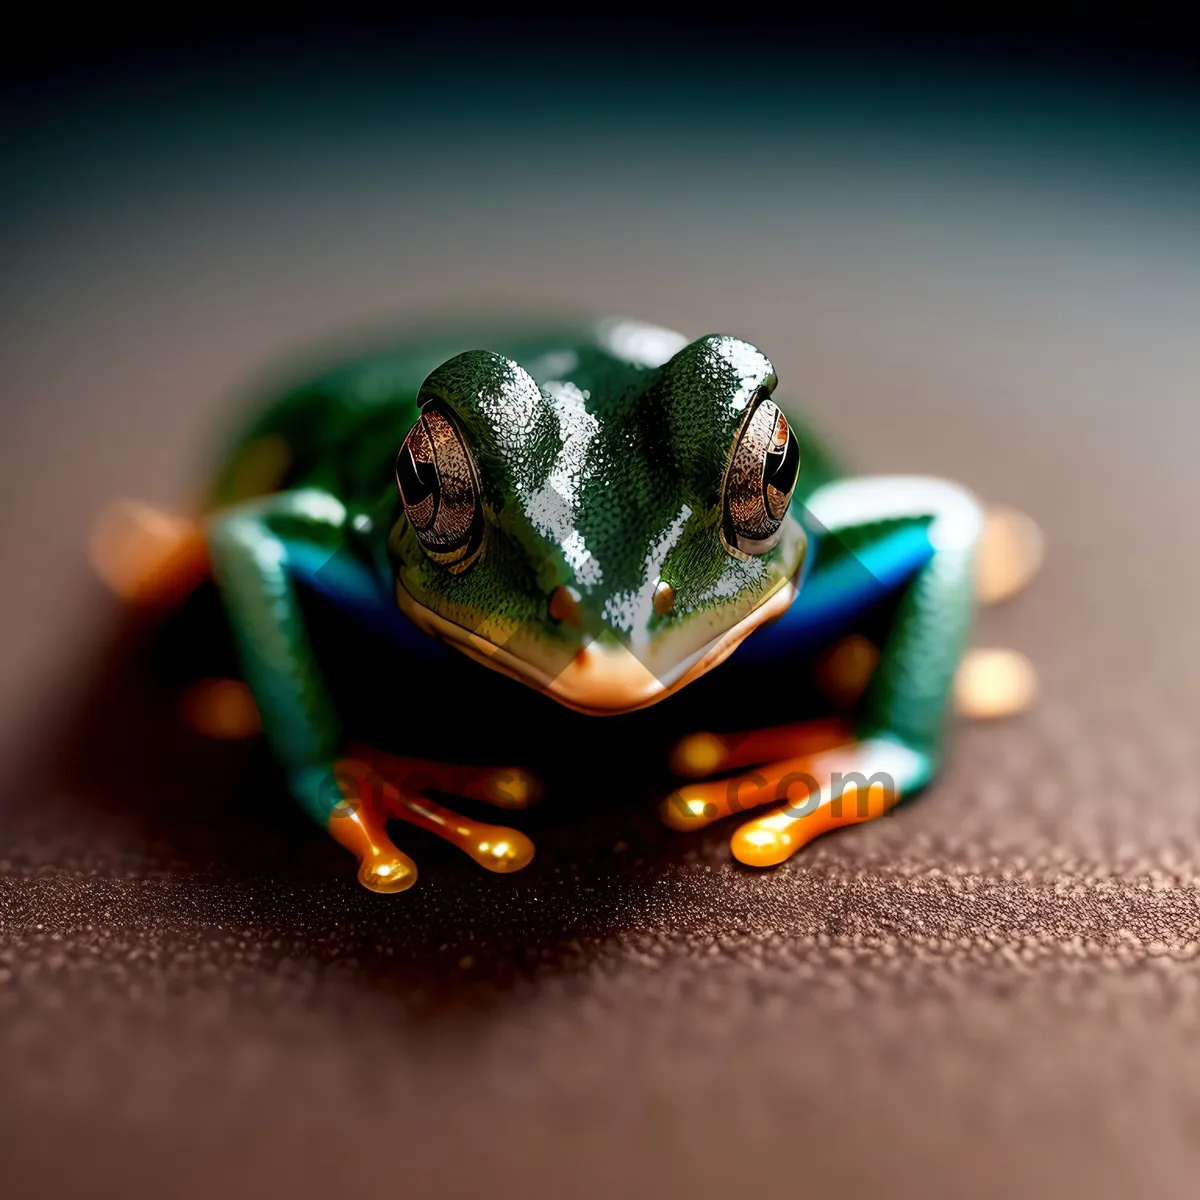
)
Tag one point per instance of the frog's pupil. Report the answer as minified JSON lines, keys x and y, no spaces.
{"x":780,"y":469}
{"x":418,"y":480}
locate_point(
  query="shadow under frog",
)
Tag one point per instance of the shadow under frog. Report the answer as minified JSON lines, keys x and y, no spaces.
{"x":127,"y":786}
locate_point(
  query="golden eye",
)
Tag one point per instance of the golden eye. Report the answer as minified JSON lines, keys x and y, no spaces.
{"x":760,"y":481}
{"x":437,"y":482}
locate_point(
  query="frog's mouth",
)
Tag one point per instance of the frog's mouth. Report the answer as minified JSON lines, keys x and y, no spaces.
{"x":604,"y":678}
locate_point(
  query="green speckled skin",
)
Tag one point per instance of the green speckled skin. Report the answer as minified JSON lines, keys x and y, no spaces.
{"x":601,"y":453}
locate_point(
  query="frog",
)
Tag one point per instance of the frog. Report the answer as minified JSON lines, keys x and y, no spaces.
{"x":602,"y":512}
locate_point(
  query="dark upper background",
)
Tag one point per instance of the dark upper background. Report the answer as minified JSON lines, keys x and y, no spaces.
{"x":971,"y":247}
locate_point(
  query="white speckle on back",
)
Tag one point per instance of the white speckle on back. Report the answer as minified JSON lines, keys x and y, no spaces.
{"x":554,"y":506}
{"x":586,"y":568}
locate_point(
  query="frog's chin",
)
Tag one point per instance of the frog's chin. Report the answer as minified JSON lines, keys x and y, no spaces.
{"x":602,"y":679}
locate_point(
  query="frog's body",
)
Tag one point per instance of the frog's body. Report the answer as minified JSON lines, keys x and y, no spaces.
{"x":604,"y":515}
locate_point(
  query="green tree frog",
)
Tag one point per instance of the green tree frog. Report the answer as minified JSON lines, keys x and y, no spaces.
{"x":603,"y":514}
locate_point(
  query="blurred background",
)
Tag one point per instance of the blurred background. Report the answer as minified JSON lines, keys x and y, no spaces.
{"x":971,"y":247}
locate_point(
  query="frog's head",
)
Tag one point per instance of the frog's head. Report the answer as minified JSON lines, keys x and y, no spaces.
{"x":607,"y":544}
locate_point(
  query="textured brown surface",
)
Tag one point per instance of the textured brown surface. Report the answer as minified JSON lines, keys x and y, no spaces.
{"x":994,"y":993}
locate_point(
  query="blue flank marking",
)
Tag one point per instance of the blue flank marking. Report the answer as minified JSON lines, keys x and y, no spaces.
{"x":354,"y":588}
{"x":833,"y":597}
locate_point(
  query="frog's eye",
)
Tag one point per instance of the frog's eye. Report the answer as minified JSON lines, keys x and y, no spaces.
{"x":438,"y":485}
{"x":759,"y":481}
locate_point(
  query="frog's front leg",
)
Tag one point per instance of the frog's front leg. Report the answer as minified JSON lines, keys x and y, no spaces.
{"x":257,"y":552}
{"x":828,"y":774}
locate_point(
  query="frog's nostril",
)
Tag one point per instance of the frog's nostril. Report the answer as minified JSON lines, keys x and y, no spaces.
{"x":564,"y":605}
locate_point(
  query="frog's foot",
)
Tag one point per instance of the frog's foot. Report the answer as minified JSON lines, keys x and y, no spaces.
{"x":993,"y":683}
{"x":830,"y":780}
{"x":701,"y":755}
{"x":1009,"y":554}
{"x":358,"y":824}
{"x":147,"y":556}
{"x":380,"y":787}
{"x":502,"y":787}
{"x":223,"y":709}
